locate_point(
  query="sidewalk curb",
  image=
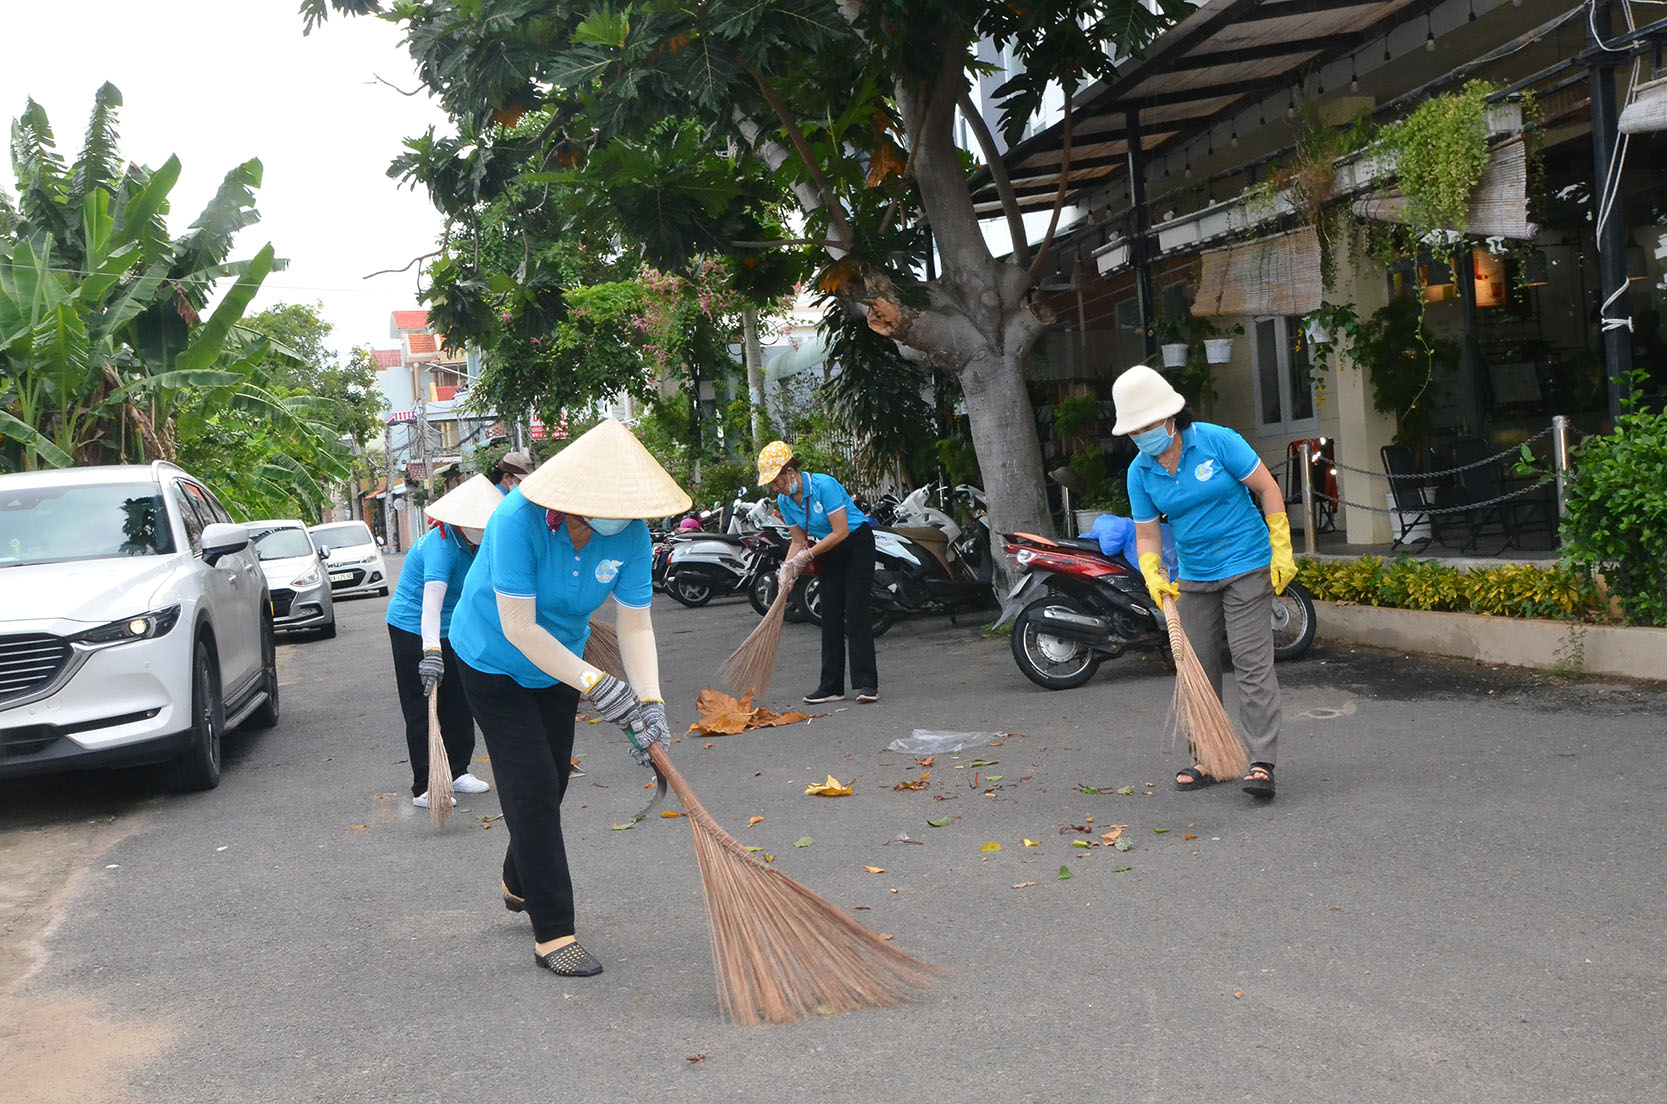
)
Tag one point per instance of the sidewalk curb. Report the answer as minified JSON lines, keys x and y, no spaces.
{"x":1613,"y":650}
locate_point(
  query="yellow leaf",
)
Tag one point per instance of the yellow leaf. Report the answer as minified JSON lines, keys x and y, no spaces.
{"x":1032,"y":843}
{"x":670,"y":814}
{"x":831,"y":788}
{"x":875,"y":869}
{"x":755,"y":820}
{"x":991,"y":846}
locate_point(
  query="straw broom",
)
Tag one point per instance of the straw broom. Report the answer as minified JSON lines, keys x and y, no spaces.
{"x":602,"y":650}
{"x":780,"y":951}
{"x":439,"y":767}
{"x":1198,"y":711}
{"x":751,"y":666}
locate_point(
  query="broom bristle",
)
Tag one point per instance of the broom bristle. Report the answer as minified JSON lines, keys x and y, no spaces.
{"x":1198,"y":712}
{"x":439,"y":767}
{"x":781,"y":952}
{"x":751,"y":666}
{"x":602,"y":649}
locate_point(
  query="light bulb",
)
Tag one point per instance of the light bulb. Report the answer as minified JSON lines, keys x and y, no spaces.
{"x":1429,"y":42}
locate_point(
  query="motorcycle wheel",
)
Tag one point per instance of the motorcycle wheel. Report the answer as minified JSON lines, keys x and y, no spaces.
{"x":882,"y":617}
{"x":763,"y":592}
{"x":691,"y":592}
{"x":1293,"y":622}
{"x":1049,"y":661}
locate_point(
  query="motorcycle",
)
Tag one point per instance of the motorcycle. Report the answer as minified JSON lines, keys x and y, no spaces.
{"x":1096,"y":607}
{"x":702,"y":565}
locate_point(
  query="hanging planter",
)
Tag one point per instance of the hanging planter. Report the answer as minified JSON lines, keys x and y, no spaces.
{"x":1218,"y":350}
{"x":1317,"y":333}
{"x":1175,"y":355}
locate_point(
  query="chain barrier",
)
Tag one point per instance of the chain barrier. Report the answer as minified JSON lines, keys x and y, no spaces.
{"x":1426,"y":477}
{"x":1465,"y":508}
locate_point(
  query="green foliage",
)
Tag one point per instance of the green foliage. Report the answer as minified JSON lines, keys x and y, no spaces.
{"x":877,"y":397}
{"x":352,"y":400}
{"x":1102,"y":489}
{"x":1616,"y":521}
{"x":1076,"y":416}
{"x":1403,"y":361}
{"x":958,"y":461}
{"x":1557,"y":592}
{"x":1441,"y":152}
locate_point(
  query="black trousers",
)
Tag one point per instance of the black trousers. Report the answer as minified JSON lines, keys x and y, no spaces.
{"x":457,"y":724}
{"x":529,"y":734}
{"x":847,"y":580}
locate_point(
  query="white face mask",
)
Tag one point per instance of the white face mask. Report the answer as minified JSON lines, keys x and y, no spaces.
{"x":608,"y":526}
{"x":473,"y":536}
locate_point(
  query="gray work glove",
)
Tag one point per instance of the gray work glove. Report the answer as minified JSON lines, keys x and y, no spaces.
{"x":618,"y":705}
{"x":655,"y":732}
{"x":431,"y":668}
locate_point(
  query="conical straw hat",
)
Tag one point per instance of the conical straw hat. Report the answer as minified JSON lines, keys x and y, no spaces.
{"x":469,"y":504}
{"x":606,"y":473}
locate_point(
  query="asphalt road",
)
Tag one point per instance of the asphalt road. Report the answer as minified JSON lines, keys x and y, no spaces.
{"x":1457,"y":896}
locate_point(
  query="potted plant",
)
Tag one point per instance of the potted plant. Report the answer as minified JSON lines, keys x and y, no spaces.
{"x":1218,"y":343}
{"x":1172,"y":339}
{"x":1331,"y":323}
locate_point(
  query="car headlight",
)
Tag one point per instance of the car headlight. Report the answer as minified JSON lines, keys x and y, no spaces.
{"x":147,"y":626}
{"x":307,"y":578}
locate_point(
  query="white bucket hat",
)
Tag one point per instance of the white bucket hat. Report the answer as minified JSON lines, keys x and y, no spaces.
{"x":1143,"y":397}
{"x":469,"y":504}
{"x":606,"y":473}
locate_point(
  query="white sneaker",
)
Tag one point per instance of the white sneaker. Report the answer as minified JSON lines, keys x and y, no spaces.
{"x":421,"y":800}
{"x":468,"y":783}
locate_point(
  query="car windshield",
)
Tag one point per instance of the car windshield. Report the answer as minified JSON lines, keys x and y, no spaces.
{"x":341,"y":536}
{"x":58,"y":524}
{"x":286,"y":543}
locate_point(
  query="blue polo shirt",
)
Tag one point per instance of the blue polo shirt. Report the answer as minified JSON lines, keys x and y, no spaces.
{"x":1219,"y":532}
{"x":522,"y":557}
{"x":823,"y":497}
{"x":435,"y":558}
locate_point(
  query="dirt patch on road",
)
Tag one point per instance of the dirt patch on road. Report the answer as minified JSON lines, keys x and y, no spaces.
{"x":59,"y":1046}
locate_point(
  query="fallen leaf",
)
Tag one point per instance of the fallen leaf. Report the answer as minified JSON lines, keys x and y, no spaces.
{"x":670,"y":814}
{"x":1089,"y":790}
{"x":755,"y":820}
{"x":769,"y":857}
{"x":707,"y":746}
{"x":991,"y":846}
{"x":1023,"y":885}
{"x":1081,"y":843}
{"x":1125,"y":791}
{"x":1032,"y":843}
{"x":1065,"y":874}
{"x":910,"y":786}
{"x":939,"y":823}
{"x":861,"y":908}
{"x":1109,"y":838}
{"x":701,"y":1057}
{"x":1239,"y":995}
{"x":1121,"y":869}
{"x":623,"y":827}
{"x":926,"y":762}
{"x":830,"y":788}
{"x":1159,"y":831}
{"x":803,"y":841}
{"x":894,"y":889}
{"x":993,"y":777}
{"x":752,"y":848}
{"x":723,"y":715}
{"x":875,"y":869}
{"x":1189,"y":835}
{"x":983,"y":762}
{"x":1122,"y":843}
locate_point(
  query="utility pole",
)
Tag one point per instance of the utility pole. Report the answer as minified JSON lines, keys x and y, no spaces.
{"x":390,"y":520}
{"x":418,"y":524}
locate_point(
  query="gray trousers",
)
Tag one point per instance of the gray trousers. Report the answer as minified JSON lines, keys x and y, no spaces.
{"x":1242,"y":608}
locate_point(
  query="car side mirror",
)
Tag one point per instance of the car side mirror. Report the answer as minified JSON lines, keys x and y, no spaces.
{"x":221,"y":539}
{"x":323,"y":553}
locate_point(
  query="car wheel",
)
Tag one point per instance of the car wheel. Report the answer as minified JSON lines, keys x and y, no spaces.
{"x":267,"y":715}
{"x":383,"y":593}
{"x":198,"y":766}
{"x":328,"y":632}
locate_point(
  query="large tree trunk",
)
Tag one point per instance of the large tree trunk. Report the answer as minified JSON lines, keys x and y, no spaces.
{"x":1009,"y":454}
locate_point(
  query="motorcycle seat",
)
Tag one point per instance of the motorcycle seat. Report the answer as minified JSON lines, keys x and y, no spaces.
{"x":1081,"y":544}
{"x":929,"y":538}
{"x":727,"y":538}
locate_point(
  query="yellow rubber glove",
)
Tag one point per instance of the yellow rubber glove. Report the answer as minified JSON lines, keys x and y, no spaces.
{"x":1157,"y":579}
{"x":1284,"y":566}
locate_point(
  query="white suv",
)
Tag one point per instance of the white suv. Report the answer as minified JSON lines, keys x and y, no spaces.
{"x":135,"y":625}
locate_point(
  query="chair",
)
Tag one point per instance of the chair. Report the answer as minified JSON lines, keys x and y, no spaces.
{"x":1482,"y":484}
{"x":1411,"y":497}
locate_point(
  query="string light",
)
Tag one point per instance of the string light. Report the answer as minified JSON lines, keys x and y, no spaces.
{"x":1233,"y":139}
{"x":1291,"y":108}
{"x":1429,"y":32}
{"x":1319,"y":84}
{"x":1354,"y":75}
{"x":1188,"y":156}
{"x":1386,"y":56}
{"x":1472,"y":11}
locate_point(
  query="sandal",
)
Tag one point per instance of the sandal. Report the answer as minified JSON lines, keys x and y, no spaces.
{"x":1259,"y":782}
{"x":1195,"y":777}
{"x":569,"y":961}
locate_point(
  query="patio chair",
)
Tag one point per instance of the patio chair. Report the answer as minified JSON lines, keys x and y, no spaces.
{"x":1481,"y":485}
{"x":1411,"y":498}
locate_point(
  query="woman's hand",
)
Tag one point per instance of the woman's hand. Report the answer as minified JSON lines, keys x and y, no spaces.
{"x":618,"y":705}
{"x":656,"y":732}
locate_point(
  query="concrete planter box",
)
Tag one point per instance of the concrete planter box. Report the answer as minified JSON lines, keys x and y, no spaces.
{"x":1612,"y":650}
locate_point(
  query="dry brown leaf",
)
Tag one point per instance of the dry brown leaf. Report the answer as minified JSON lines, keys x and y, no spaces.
{"x":875,"y":869}
{"x":1109,"y":838}
{"x":754,"y":820}
{"x":701,"y":1057}
{"x":926,"y":762}
{"x":724,"y":715}
{"x":1023,"y":885}
{"x":910,"y":786}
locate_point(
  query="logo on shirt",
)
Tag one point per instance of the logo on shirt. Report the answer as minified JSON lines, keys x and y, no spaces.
{"x":607,"y":570}
{"x":1205,"y":471}
{"x":817,"y":506}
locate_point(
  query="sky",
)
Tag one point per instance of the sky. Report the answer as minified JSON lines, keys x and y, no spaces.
{"x":220,"y":81}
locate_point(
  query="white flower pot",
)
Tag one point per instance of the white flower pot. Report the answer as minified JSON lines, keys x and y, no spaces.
{"x":1317,"y":334}
{"x":1218,"y":350}
{"x":1175,"y":355}
{"x":1085,"y":520}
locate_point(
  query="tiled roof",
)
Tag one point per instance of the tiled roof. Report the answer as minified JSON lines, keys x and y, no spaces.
{"x":421,"y":344}
{"x":386,"y":358}
{"x":410,"y":320}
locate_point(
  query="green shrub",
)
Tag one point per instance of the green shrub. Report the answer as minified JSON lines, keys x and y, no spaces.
{"x":1508,"y":590}
{"x":1616,"y":520}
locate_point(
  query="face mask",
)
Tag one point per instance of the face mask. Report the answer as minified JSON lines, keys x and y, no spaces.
{"x":1154,"y":442}
{"x":609,"y":526}
{"x":473,"y":536}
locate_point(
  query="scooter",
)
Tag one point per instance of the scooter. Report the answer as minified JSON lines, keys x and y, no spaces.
{"x":702,"y":565}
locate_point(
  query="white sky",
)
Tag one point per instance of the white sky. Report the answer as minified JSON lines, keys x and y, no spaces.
{"x":220,"y":81}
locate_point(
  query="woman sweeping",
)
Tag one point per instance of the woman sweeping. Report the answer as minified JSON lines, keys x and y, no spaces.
{"x":554,"y":551}
{"x":1234,"y":553}
{"x":827,"y":526}
{"x":419,"y":629}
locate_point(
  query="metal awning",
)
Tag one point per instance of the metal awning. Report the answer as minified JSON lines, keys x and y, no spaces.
{"x":1224,"y":57}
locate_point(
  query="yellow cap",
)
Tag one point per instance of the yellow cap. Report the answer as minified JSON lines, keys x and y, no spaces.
{"x":770,"y":462}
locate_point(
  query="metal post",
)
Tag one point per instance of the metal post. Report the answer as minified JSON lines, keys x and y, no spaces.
{"x":1611,"y":236}
{"x":390,"y":519}
{"x":1139,"y":226}
{"x":1309,"y":521}
{"x":1560,"y":460}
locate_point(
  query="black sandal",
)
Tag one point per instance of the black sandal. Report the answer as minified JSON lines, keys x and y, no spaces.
{"x":1259,"y":782}
{"x":1196,"y":779}
{"x":569,"y":961}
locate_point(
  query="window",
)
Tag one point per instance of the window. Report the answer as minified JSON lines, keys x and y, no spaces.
{"x":1284,"y":393}
{"x":189,"y":512}
{"x":448,"y":437}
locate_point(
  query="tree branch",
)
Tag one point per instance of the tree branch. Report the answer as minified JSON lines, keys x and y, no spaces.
{"x":998,"y":174}
{"x":403,"y":267}
{"x":1064,"y":188}
{"x":377,"y":78}
{"x":836,"y":214}
{"x":785,"y":244}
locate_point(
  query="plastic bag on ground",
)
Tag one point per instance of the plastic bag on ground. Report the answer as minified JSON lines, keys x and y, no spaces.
{"x":930,"y":742}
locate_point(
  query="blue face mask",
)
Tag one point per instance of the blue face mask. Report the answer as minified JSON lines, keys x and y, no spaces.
{"x":609,"y":526}
{"x":1154,"y":442}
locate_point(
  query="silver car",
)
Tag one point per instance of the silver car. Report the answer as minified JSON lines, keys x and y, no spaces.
{"x":352,"y":558}
{"x":295,"y":577}
{"x":134,"y":623}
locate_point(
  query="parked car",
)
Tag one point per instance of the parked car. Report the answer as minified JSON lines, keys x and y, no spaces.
{"x":136,"y":625}
{"x":295,"y":577}
{"x":352,"y":558}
